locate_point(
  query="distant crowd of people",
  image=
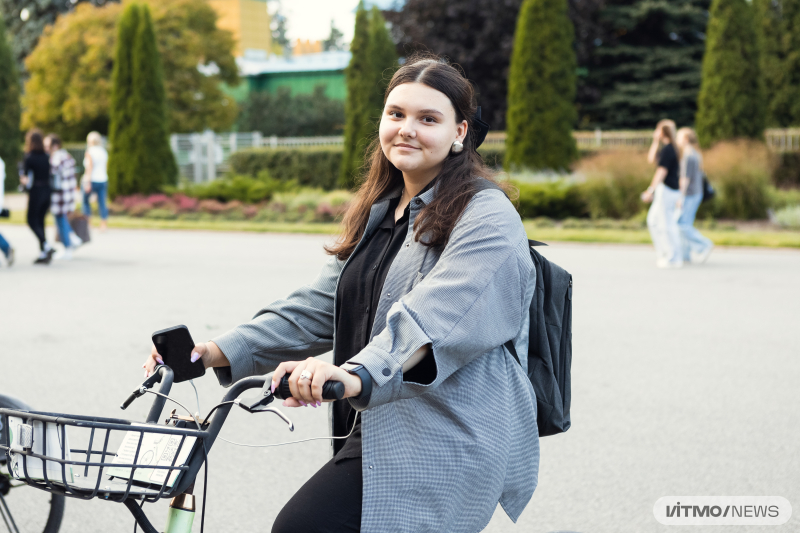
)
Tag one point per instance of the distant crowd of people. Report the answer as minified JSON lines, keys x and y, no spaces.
{"x":675,"y":194}
{"x":48,"y":175}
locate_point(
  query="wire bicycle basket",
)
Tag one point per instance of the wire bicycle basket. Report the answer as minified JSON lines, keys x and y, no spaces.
{"x":114,"y":459}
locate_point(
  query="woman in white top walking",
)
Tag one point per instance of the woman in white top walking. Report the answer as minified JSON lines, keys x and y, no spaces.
{"x":95,"y":178}
{"x":695,"y":247}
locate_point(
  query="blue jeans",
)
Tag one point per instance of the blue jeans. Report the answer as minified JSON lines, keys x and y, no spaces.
{"x":691,"y":239}
{"x":4,"y":246}
{"x":101,"y":189}
{"x":64,"y":229}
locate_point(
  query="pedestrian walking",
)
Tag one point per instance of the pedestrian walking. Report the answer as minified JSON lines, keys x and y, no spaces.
{"x":695,"y":247}
{"x":663,"y":194}
{"x":95,"y":177}
{"x":8,"y":251}
{"x":35,"y":178}
{"x":431,"y":276}
{"x":64,"y":191}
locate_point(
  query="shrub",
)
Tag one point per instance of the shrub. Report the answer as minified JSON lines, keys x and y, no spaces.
{"x":740,"y":172}
{"x":788,"y":217}
{"x":613,"y":183}
{"x":284,"y":115}
{"x":554,"y":199}
{"x":240,"y":188}
{"x":780,"y":198}
{"x":787,"y":170}
{"x":310,"y":167}
{"x":493,"y":156}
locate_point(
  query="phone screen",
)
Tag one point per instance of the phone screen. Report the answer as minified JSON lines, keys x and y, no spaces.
{"x":175,"y":346}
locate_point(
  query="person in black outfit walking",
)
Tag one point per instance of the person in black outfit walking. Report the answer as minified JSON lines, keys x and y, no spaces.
{"x":36,"y":179}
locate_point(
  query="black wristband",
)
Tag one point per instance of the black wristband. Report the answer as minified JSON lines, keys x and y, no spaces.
{"x":366,"y":380}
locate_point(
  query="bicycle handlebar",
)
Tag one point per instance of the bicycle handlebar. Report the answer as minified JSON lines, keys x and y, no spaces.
{"x":331,"y":390}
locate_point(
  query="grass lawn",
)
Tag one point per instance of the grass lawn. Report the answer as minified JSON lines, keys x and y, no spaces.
{"x":770,"y":239}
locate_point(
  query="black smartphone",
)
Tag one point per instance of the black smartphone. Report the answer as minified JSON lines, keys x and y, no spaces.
{"x":175,"y":346}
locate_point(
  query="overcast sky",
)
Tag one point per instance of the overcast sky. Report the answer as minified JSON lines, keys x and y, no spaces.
{"x":311,"y":19}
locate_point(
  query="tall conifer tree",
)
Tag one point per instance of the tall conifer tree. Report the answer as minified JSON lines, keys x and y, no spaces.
{"x":153,"y":162}
{"x":541,"y":88}
{"x":120,"y":132}
{"x":731,"y":100}
{"x":367,"y":76}
{"x":779,"y":25}
{"x":9,"y":109}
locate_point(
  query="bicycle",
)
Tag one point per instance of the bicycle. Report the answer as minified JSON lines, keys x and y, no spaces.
{"x":33,"y":511}
{"x":166,"y":468}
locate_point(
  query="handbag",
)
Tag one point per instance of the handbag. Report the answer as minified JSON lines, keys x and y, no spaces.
{"x":708,"y":191}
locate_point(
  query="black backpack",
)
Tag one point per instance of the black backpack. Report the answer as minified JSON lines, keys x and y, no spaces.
{"x":550,"y":344}
{"x":549,"y":341}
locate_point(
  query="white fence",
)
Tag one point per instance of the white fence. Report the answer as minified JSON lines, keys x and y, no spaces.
{"x":204,"y":156}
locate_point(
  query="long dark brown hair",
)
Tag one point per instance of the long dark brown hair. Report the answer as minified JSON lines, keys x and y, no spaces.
{"x":34,"y":142}
{"x":455,"y":183}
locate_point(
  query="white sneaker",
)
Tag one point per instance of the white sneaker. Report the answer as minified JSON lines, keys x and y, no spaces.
{"x":64,"y":255}
{"x":702,"y":257}
{"x":75,"y":240}
{"x":663,"y":263}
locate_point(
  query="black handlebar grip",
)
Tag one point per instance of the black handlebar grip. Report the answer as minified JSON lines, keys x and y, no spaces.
{"x":135,"y":394}
{"x":331,"y":390}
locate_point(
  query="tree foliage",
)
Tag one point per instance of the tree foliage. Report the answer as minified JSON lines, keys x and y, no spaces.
{"x":70,"y":70}
{"x":9,"y":109}
{"x":644,"y":64}
{"x":541,"y":88}
{"x":284,"y":115}
{"x":40,"y":14}
{"x":145,"y":162}
{"x":334,"y":40}
{"x":731,"y":100}
{"x":779,"y":25}
{"x":367,"y":76}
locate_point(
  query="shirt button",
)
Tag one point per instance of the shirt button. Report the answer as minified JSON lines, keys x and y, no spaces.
{"x":370,"y":467}
{"x":408,"y":244}
{"x":388,"y":294}
{"x":386,"y":372}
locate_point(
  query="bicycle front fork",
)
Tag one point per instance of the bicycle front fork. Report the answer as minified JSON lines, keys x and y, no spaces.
{"x":181,"y":514}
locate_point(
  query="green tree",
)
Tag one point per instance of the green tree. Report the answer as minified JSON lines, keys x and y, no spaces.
{"x":284,"y":115}
{"x":9,"y":109}
{"x":367,"y":76}
{"x":146,"y":163}
{"x":334,"y":41}
{"x":731,"y":100}
{"x":644,"y":64}
{"x":541,"y":88}
{"x":779,"y":24}
{"x":70,"y":70}
{"x":121,"y":138}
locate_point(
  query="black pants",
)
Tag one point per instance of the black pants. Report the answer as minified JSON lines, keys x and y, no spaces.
{"x":329,"y":502}
{"x":38,"y":205}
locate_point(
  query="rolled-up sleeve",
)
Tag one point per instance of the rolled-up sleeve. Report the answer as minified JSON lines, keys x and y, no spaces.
{"x":471,"y":302}
{"x":297,"y":327}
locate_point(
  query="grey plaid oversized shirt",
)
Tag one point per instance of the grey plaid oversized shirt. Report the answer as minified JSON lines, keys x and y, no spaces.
{"x":437,"y":457}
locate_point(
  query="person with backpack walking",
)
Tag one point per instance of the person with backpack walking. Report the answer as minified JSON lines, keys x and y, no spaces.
{"x":8,"y":251}
{"x":427,"y":285}
{"x":663,"y":195}
{"x":35,"y":178}
{"x":65,"y":189}
{"x":695,"y":247}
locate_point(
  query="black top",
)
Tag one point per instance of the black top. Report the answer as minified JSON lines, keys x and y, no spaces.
{"x":39,"y":164}
{"x":669,"y":160}
{"x":357,"y":298}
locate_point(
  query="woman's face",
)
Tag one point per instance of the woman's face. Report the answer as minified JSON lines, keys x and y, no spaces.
{"x":418,"y":128}
{"x":680,"y":140}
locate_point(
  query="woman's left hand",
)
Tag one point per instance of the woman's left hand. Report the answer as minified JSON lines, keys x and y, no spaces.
{"x":309,"y":392}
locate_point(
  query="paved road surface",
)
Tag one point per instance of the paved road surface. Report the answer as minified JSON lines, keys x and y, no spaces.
{"x":684,"y":382}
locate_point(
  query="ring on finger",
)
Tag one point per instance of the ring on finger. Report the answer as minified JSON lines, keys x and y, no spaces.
{"x":305,"y":374}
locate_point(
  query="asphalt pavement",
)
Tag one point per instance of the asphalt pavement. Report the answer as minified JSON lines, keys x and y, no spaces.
{"x":685,"y":382}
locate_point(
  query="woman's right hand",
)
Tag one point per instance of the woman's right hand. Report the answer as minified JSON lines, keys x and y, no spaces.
{"x":200,"y":351}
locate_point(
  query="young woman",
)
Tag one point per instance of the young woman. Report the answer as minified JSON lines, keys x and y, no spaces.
{"x":64,"y":184}
{"x":428,"y":280}
{"x":35,"y":178}
{"x":663,"y":192}
{"x":694,"y":246}
{"x":95,"y":178}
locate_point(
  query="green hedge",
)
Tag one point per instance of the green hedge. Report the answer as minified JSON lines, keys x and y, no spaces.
{"x":312,"y":167}
{"x":556,"y":199}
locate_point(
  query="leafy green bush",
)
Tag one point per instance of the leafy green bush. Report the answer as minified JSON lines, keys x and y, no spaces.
{"x":242,"y":188}
{"x":310,"y":167}
{"x":789,"y":217}
{"x":787,"y":170}
{"x":614,"y":183}
{"x":284,"y":115}
{"x":553,"y":199}
{"x":740,"y":172}
{"x":780,"y":198}
{"x":493,"y":156}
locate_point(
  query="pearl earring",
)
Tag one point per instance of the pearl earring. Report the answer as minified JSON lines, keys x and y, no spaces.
{"x":457,"y":147}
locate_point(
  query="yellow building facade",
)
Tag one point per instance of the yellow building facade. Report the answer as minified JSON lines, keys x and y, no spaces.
{"x":248,"y":20}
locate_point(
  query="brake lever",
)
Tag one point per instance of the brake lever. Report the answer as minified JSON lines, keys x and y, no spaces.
{"x":141,"y":389}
